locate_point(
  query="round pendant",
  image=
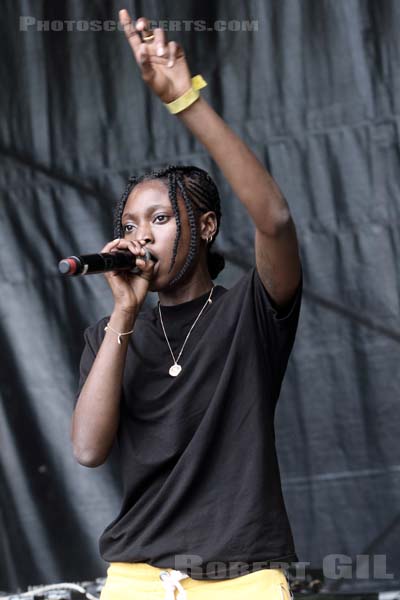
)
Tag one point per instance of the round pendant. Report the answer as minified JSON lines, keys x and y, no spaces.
{"x":175,"y":370}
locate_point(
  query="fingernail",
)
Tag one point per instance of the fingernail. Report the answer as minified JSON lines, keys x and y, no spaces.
{"x":170,"y":63}
{"x":117,"y":240}
{"x":160,"y":51}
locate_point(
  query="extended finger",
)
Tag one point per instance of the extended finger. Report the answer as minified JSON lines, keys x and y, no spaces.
{"x":131,"y":34}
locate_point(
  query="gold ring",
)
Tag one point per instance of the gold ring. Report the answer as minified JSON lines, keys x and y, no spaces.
{"x":148,"y":38}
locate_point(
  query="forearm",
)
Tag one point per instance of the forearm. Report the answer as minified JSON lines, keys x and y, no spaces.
{"x":168,"y":76}
{"x":248,"y":177}
{"x":96,"y":416}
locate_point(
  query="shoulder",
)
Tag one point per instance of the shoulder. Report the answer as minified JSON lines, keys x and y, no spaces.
{"x":249,"y":289}
{"x":279,"y":311}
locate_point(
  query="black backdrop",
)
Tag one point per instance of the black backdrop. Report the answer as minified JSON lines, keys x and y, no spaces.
{"x":314,"y":89}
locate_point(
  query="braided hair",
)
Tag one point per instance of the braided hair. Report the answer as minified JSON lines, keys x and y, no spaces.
{"x":200,"y":195}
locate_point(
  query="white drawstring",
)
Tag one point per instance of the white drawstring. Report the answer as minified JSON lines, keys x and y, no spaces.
{"x":282,"y":587}
{"x":171,"y":583}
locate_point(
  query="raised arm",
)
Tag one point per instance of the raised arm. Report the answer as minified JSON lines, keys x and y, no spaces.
{"x":165,"y":70}
{"x":276,"y":248}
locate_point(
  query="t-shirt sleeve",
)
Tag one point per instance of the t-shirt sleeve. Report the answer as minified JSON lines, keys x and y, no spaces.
{"x":280,"y":314}
{"x":93,"y":337}
{"x":277,"y":325}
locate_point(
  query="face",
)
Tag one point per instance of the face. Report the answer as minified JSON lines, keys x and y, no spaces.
{"x":148,"y":215}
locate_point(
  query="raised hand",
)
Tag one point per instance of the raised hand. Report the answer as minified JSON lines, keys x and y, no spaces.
{"x":162,"y":64}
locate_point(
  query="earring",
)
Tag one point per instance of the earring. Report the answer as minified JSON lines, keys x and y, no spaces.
{"x":209,"y":239}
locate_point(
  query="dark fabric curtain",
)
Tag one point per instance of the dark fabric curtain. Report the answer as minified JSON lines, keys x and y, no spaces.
{"x":314,"y":88}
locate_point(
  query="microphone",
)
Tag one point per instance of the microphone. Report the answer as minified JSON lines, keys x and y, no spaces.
{"x":88,"y":264}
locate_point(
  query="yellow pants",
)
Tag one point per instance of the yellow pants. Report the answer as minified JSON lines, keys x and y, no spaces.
{"x":141,"y":581}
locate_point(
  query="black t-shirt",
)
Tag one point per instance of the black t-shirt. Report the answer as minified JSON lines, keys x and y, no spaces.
{"x":197,"y":451}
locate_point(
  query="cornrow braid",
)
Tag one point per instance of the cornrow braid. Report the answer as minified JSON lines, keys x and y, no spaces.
{"x":200,"y":195}
{"x":174,"y":203}
{"x":193,"y":233}
{"x":119,"y":209}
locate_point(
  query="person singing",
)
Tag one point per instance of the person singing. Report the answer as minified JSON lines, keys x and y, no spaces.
{"x":187,"y":389}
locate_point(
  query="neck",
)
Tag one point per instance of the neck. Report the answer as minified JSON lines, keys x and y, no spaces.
{"x":196,"y":285}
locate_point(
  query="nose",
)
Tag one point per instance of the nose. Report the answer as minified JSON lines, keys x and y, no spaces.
{"x":146,"y":239}
{"x":144,"y":233}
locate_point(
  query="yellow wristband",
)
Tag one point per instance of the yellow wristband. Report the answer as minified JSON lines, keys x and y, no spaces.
{"x":188,"y":97}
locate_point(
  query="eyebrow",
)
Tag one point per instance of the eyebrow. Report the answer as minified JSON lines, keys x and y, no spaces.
{"x":129,"y":215}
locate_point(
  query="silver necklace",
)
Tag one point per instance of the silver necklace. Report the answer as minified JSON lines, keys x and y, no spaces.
{"x":176,"y":368}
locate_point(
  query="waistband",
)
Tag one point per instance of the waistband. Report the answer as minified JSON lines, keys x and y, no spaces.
{"x":151,"y":576}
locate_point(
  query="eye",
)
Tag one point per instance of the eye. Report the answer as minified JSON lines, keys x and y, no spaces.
{"x":128,"y":228}
{"x":162,"y":217}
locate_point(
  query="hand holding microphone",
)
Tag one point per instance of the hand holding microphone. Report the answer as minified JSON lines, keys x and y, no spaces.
{"x":101,"y":262}
{"x":128,"y":276}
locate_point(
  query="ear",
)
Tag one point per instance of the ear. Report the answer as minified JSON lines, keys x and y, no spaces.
{"x":208,"y":224}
